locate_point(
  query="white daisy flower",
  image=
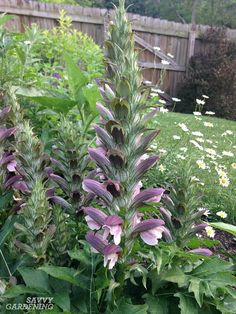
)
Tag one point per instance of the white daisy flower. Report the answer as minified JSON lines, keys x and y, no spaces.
{"x":200,"y":102}
{"x":164,"y":62}
{"x":197,"y":133}
{"x":183,"y":127}
{"x":176,"y":99}
{"x":176,"y":137}
{"x":222,"y":214}
{"x":210,"y":232}
{"x":208,"y":124}
{"x":197,"y":113}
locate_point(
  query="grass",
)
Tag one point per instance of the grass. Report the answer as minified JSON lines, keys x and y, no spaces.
{"x":213,"y":145}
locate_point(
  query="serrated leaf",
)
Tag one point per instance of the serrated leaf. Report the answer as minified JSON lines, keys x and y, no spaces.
{"x":195,"y":287}
{"x":187,"y":304}
{"x":227,"y":306}
{"x":222,"y":279}
{"x":175,"y":275}
{"x":209,"y":267}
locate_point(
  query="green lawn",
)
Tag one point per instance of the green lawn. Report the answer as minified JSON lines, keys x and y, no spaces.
{"x":214,"y":148}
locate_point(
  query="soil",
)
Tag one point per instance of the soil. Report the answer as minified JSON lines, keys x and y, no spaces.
{"x":228,"y":242}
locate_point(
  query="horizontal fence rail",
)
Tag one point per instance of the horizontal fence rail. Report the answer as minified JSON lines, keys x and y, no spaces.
{"x":151,"y":34}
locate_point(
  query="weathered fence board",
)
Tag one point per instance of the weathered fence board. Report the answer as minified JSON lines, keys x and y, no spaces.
{"x":177,"y":39}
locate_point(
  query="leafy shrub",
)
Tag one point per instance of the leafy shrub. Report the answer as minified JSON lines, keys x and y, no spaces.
{"x":65,"y":39}
{"x":212,"y":73}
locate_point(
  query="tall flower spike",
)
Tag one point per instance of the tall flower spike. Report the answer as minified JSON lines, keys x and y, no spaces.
{"x":122,"y":157}
{"x":70,"y":161}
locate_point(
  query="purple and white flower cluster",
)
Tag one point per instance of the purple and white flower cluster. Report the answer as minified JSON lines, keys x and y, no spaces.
{"x":117,"y":185}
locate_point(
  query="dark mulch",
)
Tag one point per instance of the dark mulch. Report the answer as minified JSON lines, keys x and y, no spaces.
{"x":228,"y":242}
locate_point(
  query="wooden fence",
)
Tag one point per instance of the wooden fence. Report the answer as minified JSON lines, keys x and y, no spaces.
{"x":178,"y":40}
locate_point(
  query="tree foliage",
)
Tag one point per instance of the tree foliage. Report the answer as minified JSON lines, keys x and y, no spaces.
{"x":214,"y":12}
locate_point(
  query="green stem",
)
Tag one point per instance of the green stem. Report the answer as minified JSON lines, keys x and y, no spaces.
{"x":91,"y":285}
{"x":5,"y":262}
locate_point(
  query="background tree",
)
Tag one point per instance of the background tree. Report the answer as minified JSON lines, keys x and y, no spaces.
{"x":210,"y":12}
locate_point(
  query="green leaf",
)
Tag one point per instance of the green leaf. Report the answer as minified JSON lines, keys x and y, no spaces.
{"x":197,"y":242}
{"x":63,"y":273}
{"x":123,"y":88}
{"x":5,"y":200}
{"x":157,"y":304}
{"x":209,"y":267}
{"x":92,"y":95}
{"x":175,"y":275}
{"x":62,"y":299}
{"x":7,"y":228}
{"x":81,"y":256}
{"x":17,"y":290}
{"x":125,"y":307}
{"x":55,"y":101}
{"x":227,"y":306}
{"x":225,"y":227}
{"x":221,"y":279}
{"x":76,"y":78}
{"x":35,"y":278}
{"x":187,"y":304}
{"x":195,"y":287}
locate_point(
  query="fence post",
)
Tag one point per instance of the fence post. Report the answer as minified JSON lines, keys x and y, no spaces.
{"x":191,"y":43}
{"x":192,"y":34}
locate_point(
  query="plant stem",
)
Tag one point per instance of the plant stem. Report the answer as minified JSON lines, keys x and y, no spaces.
{"x":5,"y":262}
{"x":91,"y":285}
